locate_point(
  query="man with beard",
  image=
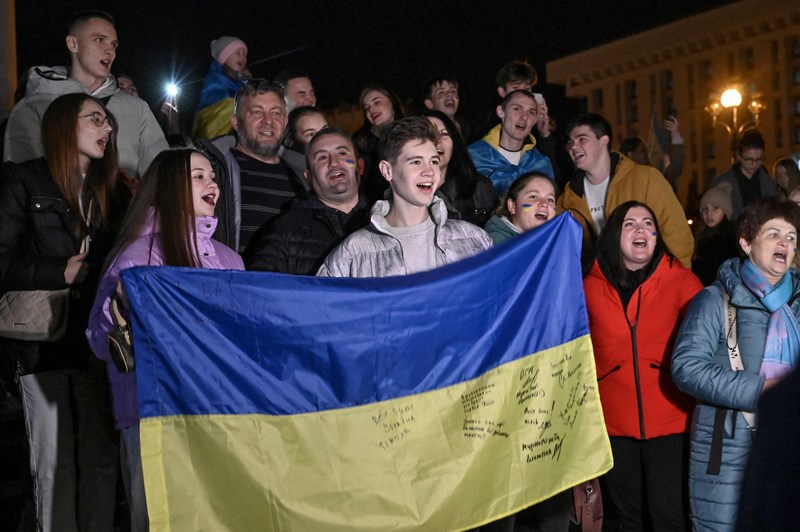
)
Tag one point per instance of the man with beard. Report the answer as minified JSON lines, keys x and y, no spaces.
{"x":255,"y":184}
{"x":299,"y":240}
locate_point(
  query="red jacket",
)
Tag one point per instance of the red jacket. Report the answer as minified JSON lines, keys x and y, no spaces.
{"x":638,"y":395}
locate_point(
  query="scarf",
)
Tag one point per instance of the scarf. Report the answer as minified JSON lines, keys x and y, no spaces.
{"x":782,"y":349}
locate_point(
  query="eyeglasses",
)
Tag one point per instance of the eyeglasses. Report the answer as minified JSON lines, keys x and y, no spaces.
{"x":751,"y":160}
{"x":98,"y":119}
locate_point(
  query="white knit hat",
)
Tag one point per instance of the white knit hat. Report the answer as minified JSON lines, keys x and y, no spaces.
{"x":223,"y":48}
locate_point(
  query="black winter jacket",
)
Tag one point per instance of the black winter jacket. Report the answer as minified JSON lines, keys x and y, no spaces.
{"x":37,"y":237}
{"x":298,"y":241}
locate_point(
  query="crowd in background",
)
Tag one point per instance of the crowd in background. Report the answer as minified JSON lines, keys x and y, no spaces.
{"x":263,"y":182}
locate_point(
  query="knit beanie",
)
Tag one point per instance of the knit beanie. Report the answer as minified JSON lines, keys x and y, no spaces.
{"x":719,"y":197}
{"x":223,"y":48}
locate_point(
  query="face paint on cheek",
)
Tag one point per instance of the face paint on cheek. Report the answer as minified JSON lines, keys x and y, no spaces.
{"x":350,"y":163}
{"x":655,"y":235}
{"x":526,"y":207}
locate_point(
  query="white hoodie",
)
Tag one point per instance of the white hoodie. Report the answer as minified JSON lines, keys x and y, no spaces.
{"x":139,"y":137}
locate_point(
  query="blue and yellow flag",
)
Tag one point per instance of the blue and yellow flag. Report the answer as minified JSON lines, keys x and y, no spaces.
{"x":436,"y":401}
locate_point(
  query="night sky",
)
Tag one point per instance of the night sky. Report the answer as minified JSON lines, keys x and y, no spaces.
{"x":348,"y":44}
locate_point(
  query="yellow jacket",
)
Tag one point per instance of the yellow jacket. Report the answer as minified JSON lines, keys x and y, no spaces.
{"x":631,"y":181}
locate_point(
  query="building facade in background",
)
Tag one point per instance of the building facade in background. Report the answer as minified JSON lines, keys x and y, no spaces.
{"x":751,"y":45}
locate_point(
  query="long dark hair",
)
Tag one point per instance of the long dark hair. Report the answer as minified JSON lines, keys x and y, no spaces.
{"x":460,"y":170}
{"x":165,"y":193}
{"x":609,"y":253}
{"x":790,"y":165}
{"x":60,"y":143}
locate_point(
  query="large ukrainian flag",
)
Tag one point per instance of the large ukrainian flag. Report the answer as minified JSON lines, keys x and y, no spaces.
{"x":436,"y":401}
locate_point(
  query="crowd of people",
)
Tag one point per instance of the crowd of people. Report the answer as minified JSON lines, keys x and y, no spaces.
{"x":269,"y":185}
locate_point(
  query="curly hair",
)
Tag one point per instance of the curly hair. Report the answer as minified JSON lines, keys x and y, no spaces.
{"x":763,"y":210}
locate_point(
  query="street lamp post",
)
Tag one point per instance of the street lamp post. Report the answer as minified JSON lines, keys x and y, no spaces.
{"x":732,"y":99}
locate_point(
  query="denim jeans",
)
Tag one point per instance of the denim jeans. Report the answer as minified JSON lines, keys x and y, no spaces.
{"x":134,"y":479}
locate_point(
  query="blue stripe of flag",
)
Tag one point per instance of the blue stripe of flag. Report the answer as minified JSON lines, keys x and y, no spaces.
{"x":223,"y":342}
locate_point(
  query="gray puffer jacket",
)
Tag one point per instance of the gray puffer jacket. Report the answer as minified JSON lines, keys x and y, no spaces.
{"x":375,"y":252}
{"x":701,"y":368}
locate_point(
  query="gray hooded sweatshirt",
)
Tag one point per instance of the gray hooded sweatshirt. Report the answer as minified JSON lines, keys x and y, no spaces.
{"x":139,"y":137}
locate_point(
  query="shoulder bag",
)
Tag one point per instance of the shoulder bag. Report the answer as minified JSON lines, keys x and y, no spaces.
{"x":120,"y":340}
{"x":37,"y":315}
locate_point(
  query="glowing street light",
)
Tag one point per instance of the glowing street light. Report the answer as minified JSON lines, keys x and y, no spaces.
{"x":732,"y":99}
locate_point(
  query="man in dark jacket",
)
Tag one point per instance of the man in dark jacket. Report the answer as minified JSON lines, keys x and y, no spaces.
{"x":748,"y":178}
{"x":299,"y":240}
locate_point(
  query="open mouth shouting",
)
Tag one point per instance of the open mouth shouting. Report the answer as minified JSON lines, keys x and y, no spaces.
{"x":542,"y":214}
{"x":337,"y":174}
{"x":640,"y":243}
{"x":210,"y":199}
{"x":103,"y":142}
{"x":578,"y":156}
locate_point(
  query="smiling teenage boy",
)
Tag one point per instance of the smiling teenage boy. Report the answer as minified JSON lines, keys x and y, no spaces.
{"x":606,"y":179}
{"x":410,"y":232}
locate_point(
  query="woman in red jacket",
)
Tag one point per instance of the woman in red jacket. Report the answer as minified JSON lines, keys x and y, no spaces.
{"x":636,"y":295}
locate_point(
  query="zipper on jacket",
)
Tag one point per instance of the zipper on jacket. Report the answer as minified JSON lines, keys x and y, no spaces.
{"x":632,"y":327}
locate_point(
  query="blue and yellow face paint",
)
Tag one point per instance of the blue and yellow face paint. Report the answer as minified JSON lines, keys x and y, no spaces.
{"x":350,"y":163}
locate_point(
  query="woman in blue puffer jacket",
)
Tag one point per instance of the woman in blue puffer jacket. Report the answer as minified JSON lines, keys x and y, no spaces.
{"x":765,"y":302}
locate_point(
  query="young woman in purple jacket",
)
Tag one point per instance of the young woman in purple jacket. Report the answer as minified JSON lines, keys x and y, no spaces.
{"x":170,"y":223}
